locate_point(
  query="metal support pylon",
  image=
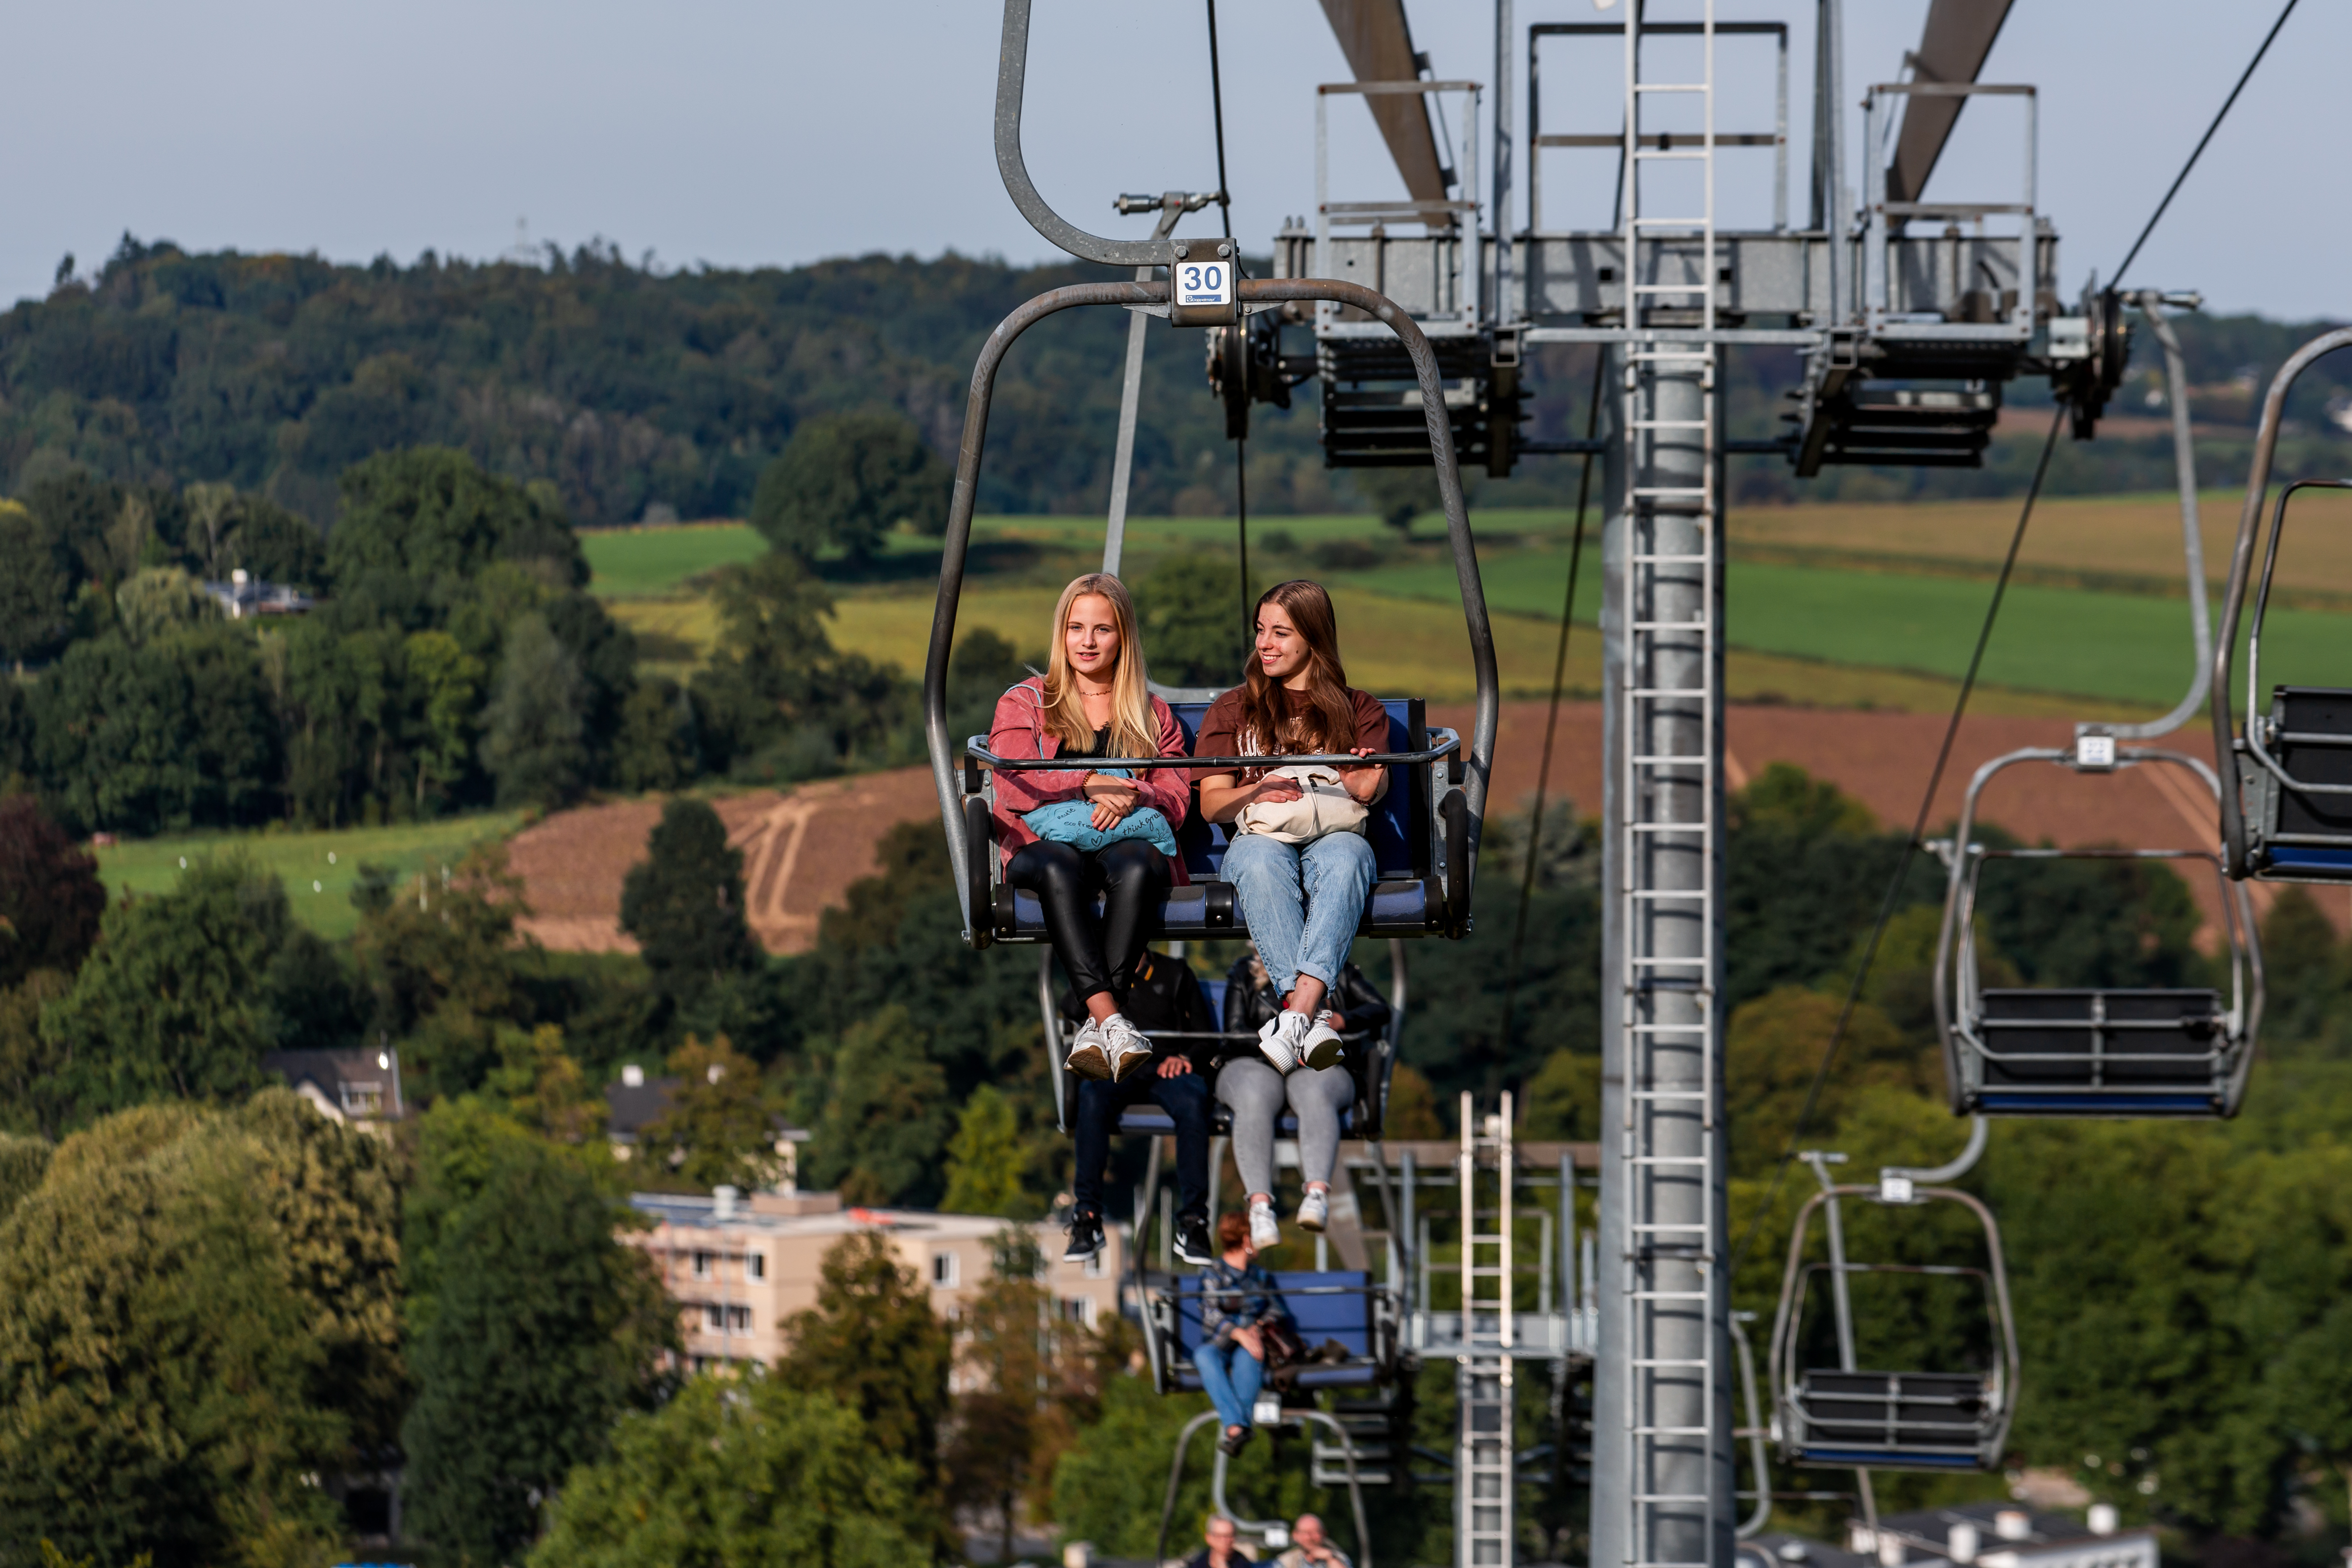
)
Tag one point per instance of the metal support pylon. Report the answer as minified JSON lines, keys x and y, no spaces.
{"x":1662,"y":1470}
{"x":1484,"y":1460}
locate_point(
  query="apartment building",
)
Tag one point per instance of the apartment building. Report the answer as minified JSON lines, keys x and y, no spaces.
{"x":740,"y":1265}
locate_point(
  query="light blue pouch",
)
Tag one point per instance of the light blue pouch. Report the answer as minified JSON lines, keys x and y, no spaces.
{"x":1071,"y":822}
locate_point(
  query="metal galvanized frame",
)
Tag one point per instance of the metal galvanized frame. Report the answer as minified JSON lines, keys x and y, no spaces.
{"x":2227,"y":737}
{"x":1957,"y":982}
{"x":1789,"y":1412}
{"x":1480,"y":761}
{"x":1884,"y":215}
{"x":1538,"y":140}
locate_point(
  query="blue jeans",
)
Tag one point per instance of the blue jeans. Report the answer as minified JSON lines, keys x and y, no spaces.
{"x":1302,"y":902}
{"x":1229,"y":1377}
{"x":1185,"y":1098}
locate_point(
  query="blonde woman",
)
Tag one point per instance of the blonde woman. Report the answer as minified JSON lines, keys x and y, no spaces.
{"x":1070,"y":835}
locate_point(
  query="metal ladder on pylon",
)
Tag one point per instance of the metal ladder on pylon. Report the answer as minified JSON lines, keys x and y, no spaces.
{"x":1485,"y":1461}
{"x":1671,"y":1289}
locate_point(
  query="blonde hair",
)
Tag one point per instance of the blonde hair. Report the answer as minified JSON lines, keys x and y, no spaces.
{"x":1133,"y":731}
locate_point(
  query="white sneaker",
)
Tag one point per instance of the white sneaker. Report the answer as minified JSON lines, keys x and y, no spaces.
{"x":1282,"y":1038}
{"x":1321,"y":1047}
{"x":1314,"y":1210}
{"x":1089,"y":1056}
{"x":1125,"y":1045}
{"x":1265,"y":1229}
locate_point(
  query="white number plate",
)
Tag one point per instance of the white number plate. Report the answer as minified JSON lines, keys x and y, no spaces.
{"x":1203,"y":282}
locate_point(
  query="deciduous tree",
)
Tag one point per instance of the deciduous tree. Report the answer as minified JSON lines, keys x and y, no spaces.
{"x":684,"y":902}
{"x":745,"y":1468}
{"x":873,"y":1342}
{"x":172,"y":1003}
{"x":845,"y":479}
{"x":532,"y":1327}
{"x":535,"y":740}
{"x":50,"y":898}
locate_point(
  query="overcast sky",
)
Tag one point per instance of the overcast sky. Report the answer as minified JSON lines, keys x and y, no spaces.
{"x":742,"y":133}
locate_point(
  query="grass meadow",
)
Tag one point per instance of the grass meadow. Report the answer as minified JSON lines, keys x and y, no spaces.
{"x":1843,"y":605}
{"x":319,"y":869}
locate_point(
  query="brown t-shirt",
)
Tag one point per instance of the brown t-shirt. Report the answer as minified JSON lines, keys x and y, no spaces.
{"x":1219,"y":734}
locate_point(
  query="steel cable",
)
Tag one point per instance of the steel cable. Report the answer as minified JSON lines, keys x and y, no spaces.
{"x":2247,"y":76}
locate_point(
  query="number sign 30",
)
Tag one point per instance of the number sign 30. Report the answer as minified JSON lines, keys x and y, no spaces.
{"x":1203,"y":282}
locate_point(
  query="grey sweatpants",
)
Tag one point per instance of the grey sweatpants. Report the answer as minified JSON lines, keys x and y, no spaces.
{"x":1255,"y":1093}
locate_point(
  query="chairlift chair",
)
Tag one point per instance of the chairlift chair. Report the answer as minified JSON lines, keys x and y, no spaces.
{"x":1426,"y":830}
{"x":2287,"y":815}
{"x":1421,"y":831}
{"x":1369,"y":1056}
{"x":1927,"y":1419}
{"x":2120,"y":1051}
{"x":1351,"y":1327}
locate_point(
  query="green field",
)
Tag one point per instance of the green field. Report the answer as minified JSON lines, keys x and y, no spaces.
{"x":1909,"y":611}
{"x":639,"y":563}
{"x":2130,"y":647}
{"x":318,"y":869}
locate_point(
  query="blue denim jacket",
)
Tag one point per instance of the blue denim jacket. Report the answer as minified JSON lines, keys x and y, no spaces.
{"x":1234,"y":1298}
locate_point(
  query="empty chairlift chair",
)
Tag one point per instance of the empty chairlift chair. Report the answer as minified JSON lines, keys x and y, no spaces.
{"x":1935,"y":1418}
{"x":2287,"y":814}
{"x":2290,"y":817}
{"x":2090,"y":1050}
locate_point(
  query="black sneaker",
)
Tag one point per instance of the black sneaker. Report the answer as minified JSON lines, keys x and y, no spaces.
{"x":1086,"y":1237}
{"x":1192,"y":1244}
{"x":1235,"y":1441}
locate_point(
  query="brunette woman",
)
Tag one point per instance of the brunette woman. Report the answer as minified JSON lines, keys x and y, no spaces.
{"x":1301,"y":899}
{"x":1072,"y":833}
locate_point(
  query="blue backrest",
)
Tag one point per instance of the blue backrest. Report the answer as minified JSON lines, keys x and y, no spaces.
{"x":1397,"y":848}
{"x":1345,"y":1314}
{"x":1214,"y":990}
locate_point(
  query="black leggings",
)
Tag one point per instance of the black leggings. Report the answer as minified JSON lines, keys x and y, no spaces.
{"x":1130,"y":874}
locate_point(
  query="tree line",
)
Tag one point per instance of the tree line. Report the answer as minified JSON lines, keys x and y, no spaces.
{"x":639,"y":392}
{"x":454,"y":660}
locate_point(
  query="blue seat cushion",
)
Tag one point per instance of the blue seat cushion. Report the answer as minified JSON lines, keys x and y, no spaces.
{"x":1345,"y":1314}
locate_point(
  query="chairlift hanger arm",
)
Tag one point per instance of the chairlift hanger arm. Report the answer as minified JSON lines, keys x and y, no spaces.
{"x":963,"y":500}
{"x":1012,"y":78}
{"x":2242,"y":556}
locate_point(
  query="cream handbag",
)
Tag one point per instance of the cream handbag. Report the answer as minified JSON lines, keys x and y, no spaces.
{"x":1324,"y":806}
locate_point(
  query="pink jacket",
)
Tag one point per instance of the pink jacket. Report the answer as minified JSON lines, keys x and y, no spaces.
{"x":1019,"y":731}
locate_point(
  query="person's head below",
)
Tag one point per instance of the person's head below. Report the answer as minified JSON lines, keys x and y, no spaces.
{"x":1219,"y":1535}
{"x":1095,"y":653}
{"x":1297,"y":652}
{"x":1233,"y":1242}
{"x":1308,"y":1532}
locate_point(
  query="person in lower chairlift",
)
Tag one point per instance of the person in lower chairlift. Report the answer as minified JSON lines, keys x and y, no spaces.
{"x":1237,"y":1299}
{"x":1256,"y":1095}
{"x":1163,"y":995}
{"x":1072,"y":833}
{"x":1299,"y":861}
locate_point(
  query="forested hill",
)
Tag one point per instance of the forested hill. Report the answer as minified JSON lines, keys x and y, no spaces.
{"x":635,"y":389}
{"x":629,"y":388}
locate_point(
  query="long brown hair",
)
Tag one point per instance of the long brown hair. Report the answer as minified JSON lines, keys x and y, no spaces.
{"x":1325,"y":721}
{"x":1133,"y":731}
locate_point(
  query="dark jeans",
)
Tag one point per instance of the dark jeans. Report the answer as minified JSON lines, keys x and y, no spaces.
{"x":1128,"y":873}
{"x":1185,"y":1098}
